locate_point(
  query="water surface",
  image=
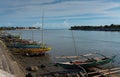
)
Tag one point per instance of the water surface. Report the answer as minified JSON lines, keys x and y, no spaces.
{"x":61,"y":41}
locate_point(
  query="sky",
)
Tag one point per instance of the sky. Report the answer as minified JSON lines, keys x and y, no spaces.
{"x":59,"y":14}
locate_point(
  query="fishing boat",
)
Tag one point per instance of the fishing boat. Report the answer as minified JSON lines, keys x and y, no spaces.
{"x":90,"y":62}
{"x":31,"y":51}
{"x":40,"y":50}
{"x":7,"y":36}
{"x":24,"y":46}
{"x":30,"y":48}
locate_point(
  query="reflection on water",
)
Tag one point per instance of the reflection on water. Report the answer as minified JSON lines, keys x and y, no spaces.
{"x":107,"y":43}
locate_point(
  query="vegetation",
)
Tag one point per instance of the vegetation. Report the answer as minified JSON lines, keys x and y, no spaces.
{"x":14,"y":28}
{"x":111,"y":27}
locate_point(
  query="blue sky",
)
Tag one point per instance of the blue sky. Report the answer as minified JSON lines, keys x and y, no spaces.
{"x":59,"y":13}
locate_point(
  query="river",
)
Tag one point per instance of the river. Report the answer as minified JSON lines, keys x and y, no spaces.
{"x":61,"y":41}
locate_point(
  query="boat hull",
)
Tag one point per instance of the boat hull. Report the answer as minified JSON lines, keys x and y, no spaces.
{"x":31,"y":50}
{"x":89,"y":64}
{"x":24,"y":46}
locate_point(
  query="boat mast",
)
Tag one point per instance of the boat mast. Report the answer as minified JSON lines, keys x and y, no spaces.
{"x":21,"y":34}
{"x":32,"y":35}
{"x":42,"y":26}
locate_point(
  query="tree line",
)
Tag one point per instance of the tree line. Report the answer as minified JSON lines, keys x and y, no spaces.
{"x":111,"y":27}
{"x":14,"y":28}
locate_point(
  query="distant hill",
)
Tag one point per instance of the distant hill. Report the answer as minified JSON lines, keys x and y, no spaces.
{"x":15,"y":28}
{"x":111,"y":27}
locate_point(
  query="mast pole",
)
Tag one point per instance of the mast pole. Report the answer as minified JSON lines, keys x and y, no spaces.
{"x":32,"y":35}
{"x":21,"y":34}
{"x":42,"y":26}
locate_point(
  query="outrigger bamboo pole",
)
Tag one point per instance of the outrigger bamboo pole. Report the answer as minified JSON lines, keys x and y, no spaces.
{"x":106,"y":72}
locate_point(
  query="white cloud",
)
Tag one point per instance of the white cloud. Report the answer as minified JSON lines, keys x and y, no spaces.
{"x":22,"y":11}
{"x":37,"y":24}
{"x":62,"y":9}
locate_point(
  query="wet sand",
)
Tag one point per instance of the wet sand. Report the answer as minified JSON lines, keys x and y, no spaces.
{"x":43,"y":63}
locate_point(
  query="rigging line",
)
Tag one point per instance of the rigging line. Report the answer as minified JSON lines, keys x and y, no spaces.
{"x":100,"y":54}
{"x":74,"y":43}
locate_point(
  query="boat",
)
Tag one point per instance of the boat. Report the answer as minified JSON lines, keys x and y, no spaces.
{"x":40,"y":50}
{"x":7,"y":36}
{"x":24,"y":46}
{"x":93,"y":62}
{"x":28,"y":47}
{"x":90,"y":62}
{"x":31,"y":51}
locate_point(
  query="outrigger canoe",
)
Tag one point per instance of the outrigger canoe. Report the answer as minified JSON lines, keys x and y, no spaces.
{"x":87,"y":63}
{"x":25,"y":46}
{"x":31,"y":51}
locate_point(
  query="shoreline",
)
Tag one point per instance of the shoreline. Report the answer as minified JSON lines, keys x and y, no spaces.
{"x":40,"y":66}
{"x":38,"y":61}
{"x":50,"y":70}
{"x":23,"y":62}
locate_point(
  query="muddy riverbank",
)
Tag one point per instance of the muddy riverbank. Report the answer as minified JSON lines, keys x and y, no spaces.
{"x":43,"y":64}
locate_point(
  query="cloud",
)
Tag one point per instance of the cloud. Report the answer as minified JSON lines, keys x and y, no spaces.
{"x":62,"y":8}
{"x":37,"y":24}
{"x":56,"y":11}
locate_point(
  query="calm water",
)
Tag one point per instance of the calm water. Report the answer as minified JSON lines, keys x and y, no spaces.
{"x":107,"y":43}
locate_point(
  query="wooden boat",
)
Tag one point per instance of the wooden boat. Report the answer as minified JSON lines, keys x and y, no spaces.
{"x":90,"y":62}
{"x":13,"y":36}
{"x":31,"y":51}
{"x":25,"y":46}
{"x":29,"y":48}
{"x":37,"y":50}
{"x":93,"y":62}
{"x":9,"y":36}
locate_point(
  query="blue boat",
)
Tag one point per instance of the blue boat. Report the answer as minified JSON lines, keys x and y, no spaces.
{"x":25,"y":46}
